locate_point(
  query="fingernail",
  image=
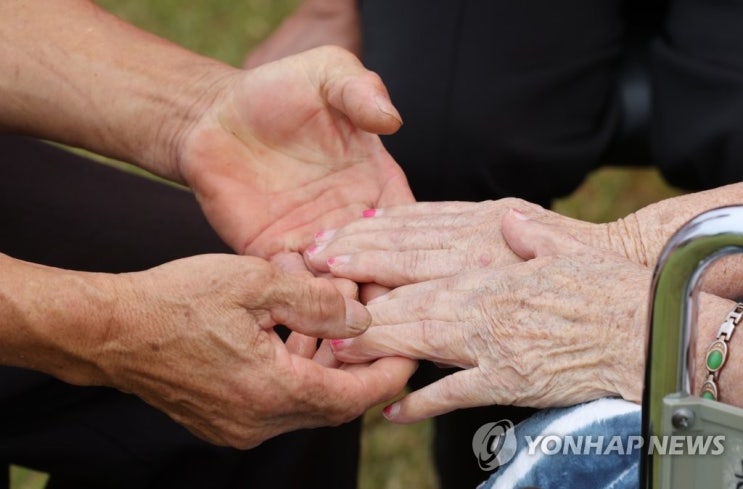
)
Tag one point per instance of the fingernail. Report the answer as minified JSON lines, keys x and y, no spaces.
{"x":519,"y":215}
{"x":391,"y":411}
{"x":324,"y":236}
{"x":385,"y":106}
{"x":369,"y":213}
{"x":335,"y":261}
{"x":358,"y":318}
{"x":336,"y":345}
{"x":314,"y":249}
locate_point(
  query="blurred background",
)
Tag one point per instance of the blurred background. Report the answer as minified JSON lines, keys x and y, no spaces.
{"x":392,"y":456}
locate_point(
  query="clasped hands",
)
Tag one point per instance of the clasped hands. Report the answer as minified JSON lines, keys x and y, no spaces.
{"x":540,"y":312}
{"x":513,"y":302}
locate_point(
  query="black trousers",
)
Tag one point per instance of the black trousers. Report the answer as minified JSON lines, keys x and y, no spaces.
{"x":63,"y":210}
{"x":523,"y":98}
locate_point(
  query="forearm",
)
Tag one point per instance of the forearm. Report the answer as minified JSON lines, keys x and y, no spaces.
{"x":313,"y":23}
{"x":642,"y":235}
{"x":330,"y":7}
{"x":73,"y":73}
{"x":52,"y":320}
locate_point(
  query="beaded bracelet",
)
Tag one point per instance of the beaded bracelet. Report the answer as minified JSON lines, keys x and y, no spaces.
{"x":718,"y":352}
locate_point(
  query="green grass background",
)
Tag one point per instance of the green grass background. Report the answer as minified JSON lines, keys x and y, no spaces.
{"x":392,"y":456}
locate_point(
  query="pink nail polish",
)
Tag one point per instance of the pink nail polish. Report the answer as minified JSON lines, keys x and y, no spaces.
{"x":311,"y":250}
{"x":335,"y":261}
{"x":369,"y":213}
{"x":391,"y":410}
{"x":337,"y":344}
{"x":319,"y":234}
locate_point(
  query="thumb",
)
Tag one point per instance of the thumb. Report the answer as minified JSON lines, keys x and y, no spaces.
{"x":529,"y":239}
{"x":357,"y":92}
{"x":314,"y":307}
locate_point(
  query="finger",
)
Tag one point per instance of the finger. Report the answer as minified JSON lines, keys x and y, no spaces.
{"x":395,"y":235}
{"x":301,"y":345}
{"x":529,"y":238}
{"x":384,"y":224}
{"x":438,"y":341}
{"x":383,"y":379}
{"x":369,"y":292}
{"x":393,"y":269}
{"x":355,"y":91}
{"x":459,"y":390}
{"x":434,"y":300}
{"x":324,"y":356}
{"x":426,"y":232}
{"x":348,"y":288}
{"x":314,"y":307}
{"x":290,"y":262}
{"x":339,"y":395}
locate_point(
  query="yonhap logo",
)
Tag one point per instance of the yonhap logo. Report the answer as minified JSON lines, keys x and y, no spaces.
{"x":494,"y":444}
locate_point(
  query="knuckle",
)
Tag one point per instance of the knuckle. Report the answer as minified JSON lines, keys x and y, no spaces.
{"x":428,"y":334}
{"x":512,"y":201}
{"x":423,"y":305}
{"x":411,"y":265}
{"x":372,"y":78}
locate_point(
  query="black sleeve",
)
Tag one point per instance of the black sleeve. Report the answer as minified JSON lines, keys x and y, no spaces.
{"x":697,"y":68}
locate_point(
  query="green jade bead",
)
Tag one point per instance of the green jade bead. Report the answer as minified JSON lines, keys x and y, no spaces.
{"x":714,"y":360}
{"x":708,"y":395}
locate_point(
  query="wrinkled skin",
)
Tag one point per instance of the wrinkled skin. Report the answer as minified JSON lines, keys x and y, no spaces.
{"x":200,"y":346}
{"x":534,"y":333}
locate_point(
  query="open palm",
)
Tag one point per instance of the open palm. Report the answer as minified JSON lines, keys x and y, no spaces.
{"x":292,"y":147}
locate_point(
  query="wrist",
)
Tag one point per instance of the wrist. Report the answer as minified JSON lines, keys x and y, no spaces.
{"x":625,"y":237}
{"x":189,"y":115}
{"x":54,"y":321}
{"x":714,"y":311}
{"x":162,"y":103}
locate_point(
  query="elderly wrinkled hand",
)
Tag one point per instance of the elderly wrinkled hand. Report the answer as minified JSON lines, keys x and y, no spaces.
{"x":565,"y":326}
{"x":412,"y":243}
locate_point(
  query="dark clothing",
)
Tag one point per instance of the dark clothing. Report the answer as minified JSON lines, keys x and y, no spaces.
{"x":498,"y":98}
{"x":60,"y":209}
{"x":524,"y":98}
{"x":697,"y":68}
